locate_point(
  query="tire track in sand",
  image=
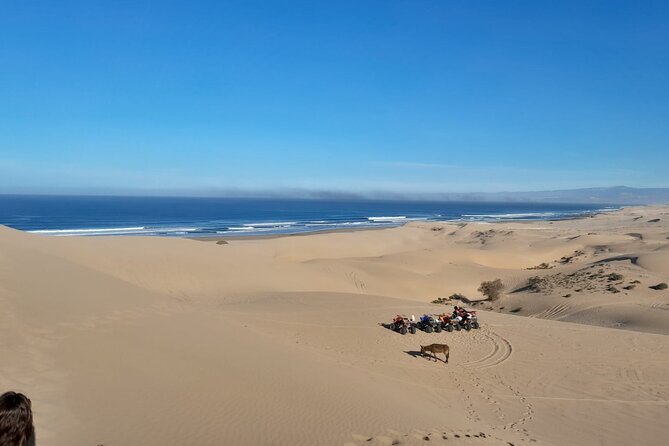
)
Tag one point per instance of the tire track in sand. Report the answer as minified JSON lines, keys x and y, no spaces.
{"x":501,"y":352}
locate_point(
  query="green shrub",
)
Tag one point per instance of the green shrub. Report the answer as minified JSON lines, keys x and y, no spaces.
{"x":492,"y":289}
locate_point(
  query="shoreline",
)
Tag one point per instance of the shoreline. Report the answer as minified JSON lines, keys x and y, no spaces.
{"x":227,"y":239}
{"x":207,"y":238}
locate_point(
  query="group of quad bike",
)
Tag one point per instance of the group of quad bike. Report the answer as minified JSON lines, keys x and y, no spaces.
{"x":459,"y":319}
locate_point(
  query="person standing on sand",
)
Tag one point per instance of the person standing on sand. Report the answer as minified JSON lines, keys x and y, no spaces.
{"x":16,"y":420}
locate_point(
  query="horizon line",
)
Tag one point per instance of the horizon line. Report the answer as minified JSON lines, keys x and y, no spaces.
{"x":335,"y":195}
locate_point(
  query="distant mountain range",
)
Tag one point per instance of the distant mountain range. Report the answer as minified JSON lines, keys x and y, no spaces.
{"x":604,"y":195}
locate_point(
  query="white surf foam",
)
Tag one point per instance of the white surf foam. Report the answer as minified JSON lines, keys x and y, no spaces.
{"x":137,"y":230}
{"x":271,"y":224}
{"x":515,"y":215}
{"x":382,"y":219}
{"x":86,"y":231}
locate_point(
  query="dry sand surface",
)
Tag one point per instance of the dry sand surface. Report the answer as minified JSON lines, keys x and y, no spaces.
{"x":149,"y":341}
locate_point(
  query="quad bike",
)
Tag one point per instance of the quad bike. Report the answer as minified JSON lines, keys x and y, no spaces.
{"x":468,"y":321}
{"x":402,"y":325}
{"x":448,"y":323}
{"x":429,"y":323}
{"x":473,"y":320}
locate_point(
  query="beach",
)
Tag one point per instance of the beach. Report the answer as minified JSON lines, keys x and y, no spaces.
{"x":279,"y":341}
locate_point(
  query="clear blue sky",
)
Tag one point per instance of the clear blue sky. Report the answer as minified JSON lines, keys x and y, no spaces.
{"x":438,"y":96}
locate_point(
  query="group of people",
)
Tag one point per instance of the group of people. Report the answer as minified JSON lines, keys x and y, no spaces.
{"x":459,"y":314}
{"x":16,"y":420}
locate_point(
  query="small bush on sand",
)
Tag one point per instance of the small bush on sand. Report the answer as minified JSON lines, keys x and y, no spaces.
{"x":543,"y":265}
{"x":455,"y":296}
{"x":536,"y":284}
{"x":492,"y":289}
{"x":660,"y":286}
{"x":460,"y":297}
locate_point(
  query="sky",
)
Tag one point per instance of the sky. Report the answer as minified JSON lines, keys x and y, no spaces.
{"x":226,"y":97}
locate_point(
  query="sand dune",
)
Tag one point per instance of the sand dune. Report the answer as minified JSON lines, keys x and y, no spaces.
{"x":130,"y":340}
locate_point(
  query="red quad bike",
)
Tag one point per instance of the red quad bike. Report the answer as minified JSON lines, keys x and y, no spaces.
{"x":469,"y":320}
{"x":402,"y":325}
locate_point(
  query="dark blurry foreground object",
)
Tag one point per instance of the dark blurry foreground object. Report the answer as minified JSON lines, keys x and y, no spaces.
{"x":16,"y":420}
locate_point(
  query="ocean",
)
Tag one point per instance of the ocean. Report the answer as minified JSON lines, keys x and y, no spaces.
{"x":227,"y":217}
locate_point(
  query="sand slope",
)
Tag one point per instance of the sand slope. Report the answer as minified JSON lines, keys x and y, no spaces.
{"x":125,"y":341}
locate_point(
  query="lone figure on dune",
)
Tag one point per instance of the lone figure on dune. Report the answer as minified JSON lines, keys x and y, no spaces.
{"x":434,"y":349}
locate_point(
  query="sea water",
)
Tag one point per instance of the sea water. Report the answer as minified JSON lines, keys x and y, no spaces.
{"x":225,"y":217}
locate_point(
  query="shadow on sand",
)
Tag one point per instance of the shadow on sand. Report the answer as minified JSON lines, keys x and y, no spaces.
{"x":418,"y":354}
{"x":415,"y":354}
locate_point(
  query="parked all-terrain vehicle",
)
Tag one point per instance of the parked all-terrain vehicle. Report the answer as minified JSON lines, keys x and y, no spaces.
{"x":467,"y":320}
{"x":402,"y":325}
{"x":429,"y":323}
{"x":472,"y":320}
{"x":447,"y":322}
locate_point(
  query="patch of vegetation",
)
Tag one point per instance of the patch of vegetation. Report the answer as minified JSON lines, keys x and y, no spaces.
{"x":659,"y":286}
{"x":455,"y":296}
{"x":536,"y":284}
{"x":492,"y":290}
{"x":543,"y":265}
{"x":460,"y":297}
{"x":568,"y":259}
